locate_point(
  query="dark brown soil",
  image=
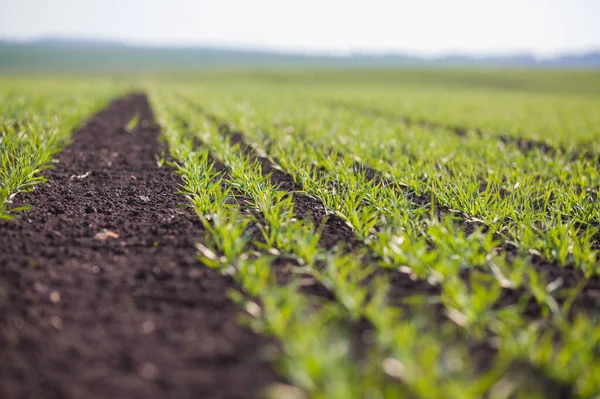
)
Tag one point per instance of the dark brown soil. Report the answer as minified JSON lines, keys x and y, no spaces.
{"x":129,"y":317}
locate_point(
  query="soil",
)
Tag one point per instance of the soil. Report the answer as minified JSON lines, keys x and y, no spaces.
{"x":101,"y":295}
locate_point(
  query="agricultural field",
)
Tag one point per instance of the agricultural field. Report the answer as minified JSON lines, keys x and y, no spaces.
{"x":301,"y":234}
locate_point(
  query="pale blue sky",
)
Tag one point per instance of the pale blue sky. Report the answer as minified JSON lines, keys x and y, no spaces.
{"x":428,"y":27}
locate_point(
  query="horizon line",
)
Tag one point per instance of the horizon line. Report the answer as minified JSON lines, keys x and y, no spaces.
{"x":250,"y":48}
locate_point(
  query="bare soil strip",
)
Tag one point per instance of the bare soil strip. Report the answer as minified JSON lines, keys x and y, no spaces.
{"x":101,"y":295}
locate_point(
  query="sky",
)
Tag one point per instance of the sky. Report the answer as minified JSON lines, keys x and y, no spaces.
{"x":422,"y":27}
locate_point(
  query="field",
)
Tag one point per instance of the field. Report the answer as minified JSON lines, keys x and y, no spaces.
{"x":301,"y":233}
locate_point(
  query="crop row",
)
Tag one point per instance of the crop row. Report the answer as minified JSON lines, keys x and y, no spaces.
{"x":35,"y":123}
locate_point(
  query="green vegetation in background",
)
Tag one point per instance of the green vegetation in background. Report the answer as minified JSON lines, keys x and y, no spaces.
{"x":64,"y":54}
